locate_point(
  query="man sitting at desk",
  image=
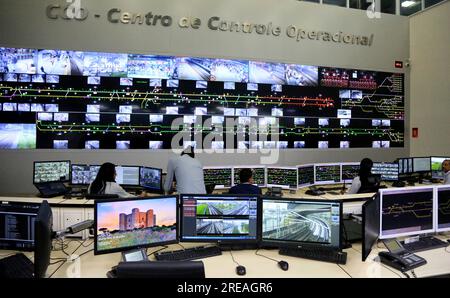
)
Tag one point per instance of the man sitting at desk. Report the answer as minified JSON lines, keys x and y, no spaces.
{"x":446,"y":169}
{"x":246,"y":186}
{"x":365,"y":181}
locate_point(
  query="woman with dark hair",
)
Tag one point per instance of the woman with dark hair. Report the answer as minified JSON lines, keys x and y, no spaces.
{"x":362,"y":180}
{"x":105,"y":182}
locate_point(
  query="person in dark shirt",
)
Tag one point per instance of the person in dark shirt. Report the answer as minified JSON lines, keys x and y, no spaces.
{"x":246,"y":186}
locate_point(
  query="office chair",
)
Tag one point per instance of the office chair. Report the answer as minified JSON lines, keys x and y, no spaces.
{"x":373,"y":185}
{"x":210,"y":188}
{"x":159,"y":269}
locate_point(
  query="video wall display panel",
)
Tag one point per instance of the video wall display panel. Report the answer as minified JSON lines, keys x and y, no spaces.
{"x":94,"y":100}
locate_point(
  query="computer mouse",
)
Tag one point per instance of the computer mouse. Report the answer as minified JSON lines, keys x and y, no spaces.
{"x":283,"y":265}
{"x":240,"y":270}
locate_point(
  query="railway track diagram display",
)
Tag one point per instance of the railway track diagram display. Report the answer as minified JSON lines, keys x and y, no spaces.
{"x":85,"y":100}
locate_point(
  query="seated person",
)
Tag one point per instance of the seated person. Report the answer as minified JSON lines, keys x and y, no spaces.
{"x":246,"y":186}
{"x":365,"y":181}
{"x":446,"y":169}
{"x":105,"y":182}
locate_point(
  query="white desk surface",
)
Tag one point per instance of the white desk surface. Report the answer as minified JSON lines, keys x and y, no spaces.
{"x":92,"y":266}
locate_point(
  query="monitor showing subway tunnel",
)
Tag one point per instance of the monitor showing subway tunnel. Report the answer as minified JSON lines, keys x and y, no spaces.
{"x":301,"y":221}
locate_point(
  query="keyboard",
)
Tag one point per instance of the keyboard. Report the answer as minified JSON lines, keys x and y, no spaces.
{"x":16,"y":266}
{"x":316,"y":253}
{"x":425,"y":243}
{"x":189,"y":254}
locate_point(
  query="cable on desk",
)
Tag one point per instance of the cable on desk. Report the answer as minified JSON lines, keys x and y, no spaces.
{"x":62,"y":260}
{"x":256,"y":253}
{"x":232,"y":257}
{"x":79,"y":256}
{"x":344,"y":270}
{"x":158,"y":250}
{"x":413,"y":274}
{"x":181,"y":246}
{"x":406,"y":274}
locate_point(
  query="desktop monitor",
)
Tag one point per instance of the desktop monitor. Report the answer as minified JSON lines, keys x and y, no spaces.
{"x":51,"y":171}
{"x":126,"y":224}
{"x":226,"y":219}
{"x":442,"y":208}
{"x":151,"y":178}
{"x":406,"y":211}
{"x":388,"y":171}
{"x":436,"y":167}
{"x":295,"y":222}
{"x":327,"y":173}
{"x":370,"y":225}
{"x":43,"y":227}
{"x":350,"y":171}
{"x":405,"y":166}
{"x":422,"y":164}
{"x":17,"y":225}
{"x":220,"y":177}
{"x":305,"y":175}
{"x":259,"y":175}
{"x":84,"y":174}
{"x":127,"y":175}
{"x":284,"y":177}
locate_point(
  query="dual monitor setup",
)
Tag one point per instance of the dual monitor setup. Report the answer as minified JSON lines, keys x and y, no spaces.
{"x":49,"y":176}
{"x":229,"y":221}
{"x":406,"y":212}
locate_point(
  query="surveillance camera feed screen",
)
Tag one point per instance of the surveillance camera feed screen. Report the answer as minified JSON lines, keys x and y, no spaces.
{"x":298,"y":221}
{"x":84,"y":174}
{"x":217,"y":218}
{"x":135,"y":223}
{"x":314,"y":106}
{"x":150,"y":178}
{"x":51,"y":171}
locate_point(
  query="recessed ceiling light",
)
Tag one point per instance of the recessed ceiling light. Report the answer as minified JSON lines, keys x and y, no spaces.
{"x":409,"y":3}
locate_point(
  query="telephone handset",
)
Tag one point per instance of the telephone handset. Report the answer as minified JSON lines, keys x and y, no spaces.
{"x":399,"y":258}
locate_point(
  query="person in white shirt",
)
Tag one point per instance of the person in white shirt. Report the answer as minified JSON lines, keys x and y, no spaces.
{"x":188,"y":173}
{"x":361,"y":181}
{"x":446,"y":169}
{"x":105,"y":182}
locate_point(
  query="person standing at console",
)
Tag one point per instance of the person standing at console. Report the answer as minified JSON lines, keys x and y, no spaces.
{"x":188,"y":172}
{"x":446,"y":169}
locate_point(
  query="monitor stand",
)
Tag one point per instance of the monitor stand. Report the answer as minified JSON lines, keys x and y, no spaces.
{"x":135,"y":255}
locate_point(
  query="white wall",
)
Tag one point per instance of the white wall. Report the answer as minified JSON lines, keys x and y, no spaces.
{"x":23,"y":23}
{"x":430,"y":81}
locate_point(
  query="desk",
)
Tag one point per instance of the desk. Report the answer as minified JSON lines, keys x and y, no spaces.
{"x":91,"y":266}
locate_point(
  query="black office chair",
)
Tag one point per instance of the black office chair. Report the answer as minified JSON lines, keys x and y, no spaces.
{"x":210,"y":188}
{"x":101,"y":196}
{"x":373,"y":184}
{"x":159,"y":269}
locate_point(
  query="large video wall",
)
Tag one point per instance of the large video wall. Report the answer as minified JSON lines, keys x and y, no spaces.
{"x":89,"y":100}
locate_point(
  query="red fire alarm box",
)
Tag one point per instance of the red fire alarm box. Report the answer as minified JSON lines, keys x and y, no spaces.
{"x":415,"y":132}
